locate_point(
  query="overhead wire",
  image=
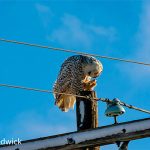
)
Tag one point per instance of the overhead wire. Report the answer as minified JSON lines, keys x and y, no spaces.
{"x":73,"y":51}
{"x":38,"y":90}
{"x":80,"y":53}
{"x":124,"y":104}
{"x":106,"y":100}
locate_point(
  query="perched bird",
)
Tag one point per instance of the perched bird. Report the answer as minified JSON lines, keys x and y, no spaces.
{"x":75,"y":75}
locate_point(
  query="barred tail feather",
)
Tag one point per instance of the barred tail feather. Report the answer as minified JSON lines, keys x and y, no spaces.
{"x":65,"y":102}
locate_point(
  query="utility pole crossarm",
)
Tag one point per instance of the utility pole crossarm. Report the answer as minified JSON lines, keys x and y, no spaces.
{"x":99,"y":136}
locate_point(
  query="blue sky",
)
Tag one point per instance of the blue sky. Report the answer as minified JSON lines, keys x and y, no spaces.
{"x":112,"y":28}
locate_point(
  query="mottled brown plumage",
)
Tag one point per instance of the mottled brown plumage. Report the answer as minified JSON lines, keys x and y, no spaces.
{"x":75,"y":76}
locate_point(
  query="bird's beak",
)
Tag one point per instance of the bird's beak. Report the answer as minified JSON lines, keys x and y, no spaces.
{"x":97,"y":74}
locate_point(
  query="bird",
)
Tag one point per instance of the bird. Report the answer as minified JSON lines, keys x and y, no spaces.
{"x":77,"y":73}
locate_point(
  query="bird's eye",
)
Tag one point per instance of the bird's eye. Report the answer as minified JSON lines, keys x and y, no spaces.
{"x":89,"y":72}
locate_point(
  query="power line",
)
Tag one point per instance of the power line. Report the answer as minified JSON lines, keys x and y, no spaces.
{"x":124,"y":104}
{"x":73,"y":51}
{"x":38,"y":90}
{"x":106,"y":100}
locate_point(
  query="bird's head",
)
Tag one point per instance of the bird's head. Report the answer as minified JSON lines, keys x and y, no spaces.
{"x":92,"y":67}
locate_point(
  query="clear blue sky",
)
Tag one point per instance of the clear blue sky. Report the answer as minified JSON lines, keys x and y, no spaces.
{"x":112,"y":27}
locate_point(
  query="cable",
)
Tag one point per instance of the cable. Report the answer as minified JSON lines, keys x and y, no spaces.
{"x":106,"y":100}
{"x":133,"y":107}
{"x":39,"y":90}
{"x":124,"y":104}
{"x":73,"y":51}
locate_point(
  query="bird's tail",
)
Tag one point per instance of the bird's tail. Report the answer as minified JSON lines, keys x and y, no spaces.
{"x":65,"y":102}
